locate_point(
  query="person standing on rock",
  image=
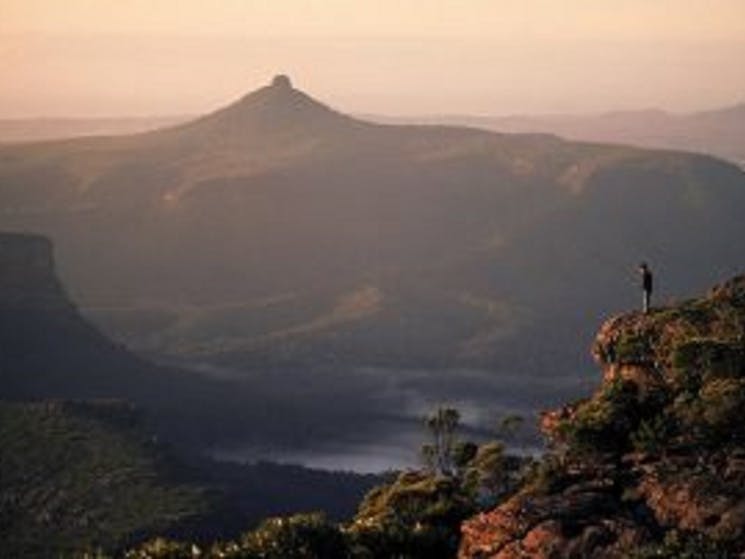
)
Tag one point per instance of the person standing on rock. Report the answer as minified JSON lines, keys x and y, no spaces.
{"x":646,"y":275}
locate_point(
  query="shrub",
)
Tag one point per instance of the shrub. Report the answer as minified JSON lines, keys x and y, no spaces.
{"x":678,"y":545}
{"x":709,"y":358}
{"x":418,"y":515}
{"x":604,"y":423}
{"x":303,"y":536}
{"x":653,"y":434}
{"x":545,"y":476}
{"x":487,"y":476}
{"x":632,"y":348}
{"x":161,"y":548}
{"x":722,"y":402}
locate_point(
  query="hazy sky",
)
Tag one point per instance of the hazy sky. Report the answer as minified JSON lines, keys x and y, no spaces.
{"x":148,"y":57}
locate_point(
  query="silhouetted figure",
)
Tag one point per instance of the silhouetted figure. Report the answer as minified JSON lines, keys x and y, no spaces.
{"x":646,"y":275}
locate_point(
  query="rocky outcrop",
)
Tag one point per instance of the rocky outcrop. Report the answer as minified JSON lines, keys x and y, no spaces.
{"x":27,"y":277}
{"x":47,"y":349}
{"x":654,"y":461}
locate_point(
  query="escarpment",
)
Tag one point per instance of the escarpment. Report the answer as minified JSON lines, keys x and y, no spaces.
{"x":47,"y":349}
{"x":653,"y":463}
{"x":27,"y":275}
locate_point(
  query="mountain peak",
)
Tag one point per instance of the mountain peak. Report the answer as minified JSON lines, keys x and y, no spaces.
{"x":275,"y":108}
{"x":281,"y":81}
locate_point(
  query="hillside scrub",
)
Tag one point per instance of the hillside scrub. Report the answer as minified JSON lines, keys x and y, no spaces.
{"x":83,"y":475}
{"x":653,"y":463}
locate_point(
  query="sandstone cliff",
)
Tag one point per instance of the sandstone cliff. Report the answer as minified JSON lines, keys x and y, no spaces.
{"x":27,"y":277}
{"x":47,"y":349}
{"x":653,"y":464}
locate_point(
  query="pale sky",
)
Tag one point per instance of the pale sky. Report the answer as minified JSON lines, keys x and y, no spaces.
{"x":158,"y":57}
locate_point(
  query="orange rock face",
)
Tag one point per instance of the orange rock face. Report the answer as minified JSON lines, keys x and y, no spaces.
{"x":656,"y":457}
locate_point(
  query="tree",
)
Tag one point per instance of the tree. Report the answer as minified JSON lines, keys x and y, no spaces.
{"x":441,"y":456}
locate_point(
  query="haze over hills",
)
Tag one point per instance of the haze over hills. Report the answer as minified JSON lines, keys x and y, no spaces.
{"x":14,"y":130}
{"x":719,"y":132}
{"x":99,"y":448}
{"x":50,"y":352}
{"x":277,"y":239}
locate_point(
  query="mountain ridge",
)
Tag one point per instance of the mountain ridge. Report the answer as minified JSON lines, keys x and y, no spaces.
{"x":717,"y":132}
{"x":50,"y":351}
{"x":278,"y":104}
{"x":271,"y":129}
{"x":468,"y":247}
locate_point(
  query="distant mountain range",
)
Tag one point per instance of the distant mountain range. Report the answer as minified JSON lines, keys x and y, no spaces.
{"x":14,"y":130}
{"x":719,"y":132}
{"x":279,"y":240}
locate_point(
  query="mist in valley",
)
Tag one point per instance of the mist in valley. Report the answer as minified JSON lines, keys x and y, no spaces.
{"x":387,"y":261}
{"x":323,"y":280}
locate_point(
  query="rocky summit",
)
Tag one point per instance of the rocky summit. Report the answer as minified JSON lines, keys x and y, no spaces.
{"x":653,"y":463}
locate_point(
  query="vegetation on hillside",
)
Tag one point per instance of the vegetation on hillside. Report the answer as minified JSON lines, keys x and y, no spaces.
{"x":82,"y":475}
{"x":78,"y":476}
{"x":653,"y":463}
{"x":675,"y":380}
{"x":416,"y":515}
